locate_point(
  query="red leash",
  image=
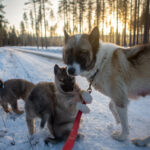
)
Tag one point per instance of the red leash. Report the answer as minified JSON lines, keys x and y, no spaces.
{"x":73,"y":134}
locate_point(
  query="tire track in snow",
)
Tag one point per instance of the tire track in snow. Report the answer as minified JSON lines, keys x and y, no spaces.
{"x":35,"y":68}
{"x":23,"y":67}
{"x":13,"y":68}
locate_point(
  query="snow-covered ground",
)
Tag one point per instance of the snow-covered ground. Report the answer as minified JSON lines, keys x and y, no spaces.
{"x":50,"y":51}
{"x":96,"y":126}
{"x":57,"y":50}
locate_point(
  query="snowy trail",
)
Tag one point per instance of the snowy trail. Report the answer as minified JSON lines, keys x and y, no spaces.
{"x":26,"y":66}
{"x":48,"y":53}
{"x":96,"y":127}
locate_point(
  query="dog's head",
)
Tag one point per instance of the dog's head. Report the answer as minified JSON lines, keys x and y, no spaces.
{"x":63,"y":81}
{"x":79,"y":52}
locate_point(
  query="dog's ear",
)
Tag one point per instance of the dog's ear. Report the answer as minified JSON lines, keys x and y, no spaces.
{"x":94,"y":35}
{"x":94,"y":38}
{"x":56,"y":69}
{"x":66,"y":35}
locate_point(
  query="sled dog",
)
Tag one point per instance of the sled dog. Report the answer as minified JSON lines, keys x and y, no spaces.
{"x":120,"y":73}
{"x":56,"y":103}
{"x":12,"y":90}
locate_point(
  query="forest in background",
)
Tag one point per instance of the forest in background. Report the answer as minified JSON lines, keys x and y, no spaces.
{"x":124,"y":22}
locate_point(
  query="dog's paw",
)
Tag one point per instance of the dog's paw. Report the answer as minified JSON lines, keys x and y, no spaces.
{"x":139,"y":142}
{"x":34,"y":140}
{"x":86,"y":97}
{"x":119,"y":136}
{"x":52,"y":141}
{"x":19,"y":112}
{"x":83,"y":108}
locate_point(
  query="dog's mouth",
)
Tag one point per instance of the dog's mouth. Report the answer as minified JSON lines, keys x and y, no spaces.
{"x":67,"y":88}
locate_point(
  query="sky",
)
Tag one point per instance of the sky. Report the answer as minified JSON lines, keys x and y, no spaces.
{"x":14,"y":10}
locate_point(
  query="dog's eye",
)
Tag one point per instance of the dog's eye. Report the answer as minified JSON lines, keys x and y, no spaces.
{"x":61,"y":80}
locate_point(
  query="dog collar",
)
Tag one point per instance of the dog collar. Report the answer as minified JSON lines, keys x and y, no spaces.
{"x":91,"y":81}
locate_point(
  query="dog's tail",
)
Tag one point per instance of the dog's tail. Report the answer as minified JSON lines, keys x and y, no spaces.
{"x":44,"y":120}
{"x":1,"y":83}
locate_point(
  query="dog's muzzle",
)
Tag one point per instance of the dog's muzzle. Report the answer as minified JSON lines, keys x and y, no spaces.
{"x":73,"y":69}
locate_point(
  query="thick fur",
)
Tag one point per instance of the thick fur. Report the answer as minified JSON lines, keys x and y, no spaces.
{"x":56,"y":104}
{"x":12,"y":90}
{"x":122,"y":72}
{"x":40,"y":103}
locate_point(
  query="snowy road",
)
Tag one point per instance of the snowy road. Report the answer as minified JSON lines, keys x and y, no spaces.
{"x":96,"y":127}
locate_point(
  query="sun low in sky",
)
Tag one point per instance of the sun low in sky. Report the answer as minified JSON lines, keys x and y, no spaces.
{"x":15,"y":8}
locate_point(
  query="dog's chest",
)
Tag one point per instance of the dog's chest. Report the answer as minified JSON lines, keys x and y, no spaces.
{"x":65,"y":109}
{"x":98,"y":86}
{"x":68,"y":103}
{"x":100,"y":83}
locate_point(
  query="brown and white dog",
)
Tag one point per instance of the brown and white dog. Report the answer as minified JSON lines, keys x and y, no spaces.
{"x":117,"y":72}
{"x":11,"y":91}
{"x":56,"y":103}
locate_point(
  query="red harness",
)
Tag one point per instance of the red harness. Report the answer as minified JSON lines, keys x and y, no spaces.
{"x":73,"y":134}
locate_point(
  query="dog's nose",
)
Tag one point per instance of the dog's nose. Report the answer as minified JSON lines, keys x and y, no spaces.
{"x":71,"y":71}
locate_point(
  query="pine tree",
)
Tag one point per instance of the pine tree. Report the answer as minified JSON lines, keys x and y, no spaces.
{"x":98,"y":11}
{"x":130,"y":43}
{"x":33,"y":3}
{"x":135,"y":14}
{"x":147,"y":22}
{"x":82,"y":8}
{"x":90,"y":7}
{"x":40,"y":16}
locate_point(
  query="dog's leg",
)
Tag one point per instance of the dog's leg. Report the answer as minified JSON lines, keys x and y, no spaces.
{"x":119,"y":96}
{"x":112,"y":107}
{"x":141,"y":142}
{"x":122,"y":112}
{"x":44,"y":119}
{"x":31,"y":124}
{"x":14,"y":106}
{"x":62,"y":131}
{"x":6,"y":108}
